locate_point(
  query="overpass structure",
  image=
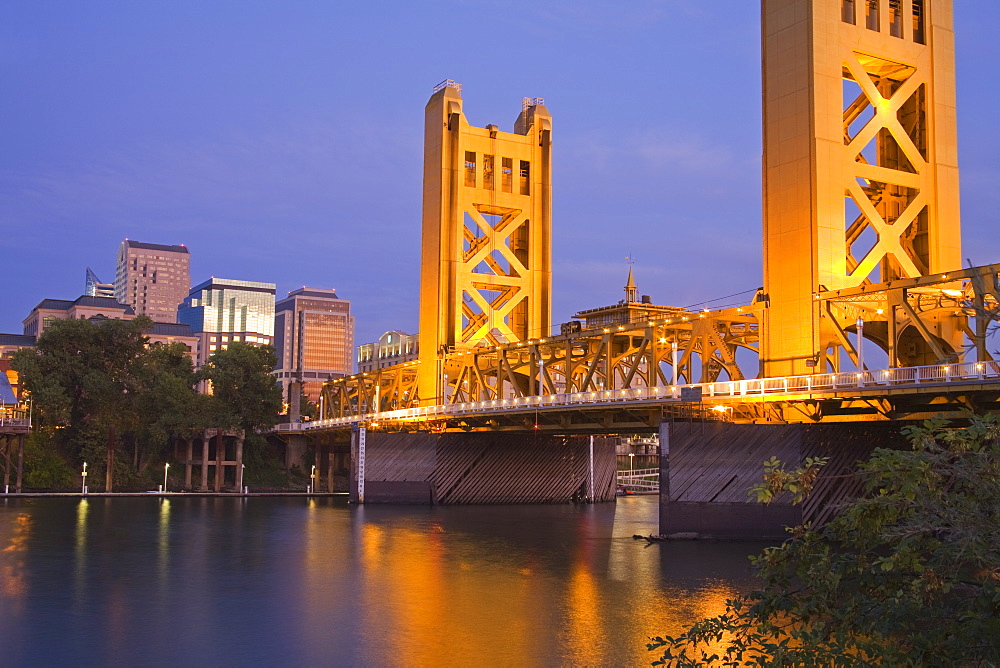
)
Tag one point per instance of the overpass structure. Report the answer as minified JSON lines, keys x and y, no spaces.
{"x":865,"y":313}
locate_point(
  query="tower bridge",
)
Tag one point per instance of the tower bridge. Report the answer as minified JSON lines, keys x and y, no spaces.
{"x":861,"y":269}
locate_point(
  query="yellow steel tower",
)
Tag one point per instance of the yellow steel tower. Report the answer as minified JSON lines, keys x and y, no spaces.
{"x":860,"y":166}
{"x":486,"y":267}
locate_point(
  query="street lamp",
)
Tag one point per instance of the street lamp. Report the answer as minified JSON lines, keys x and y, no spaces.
{"x":673,"y":362}
{"x":83,"y":484}
{"x":166,"y":467}
{"x":312,"y":480}
{"x":631,"y":457}
{"x":861,"y":348}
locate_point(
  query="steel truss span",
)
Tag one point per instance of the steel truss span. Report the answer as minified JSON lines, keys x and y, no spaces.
{"x":636,"y":363}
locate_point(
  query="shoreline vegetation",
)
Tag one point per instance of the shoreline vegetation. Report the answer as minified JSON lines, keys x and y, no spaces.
{"x":106,"y":401}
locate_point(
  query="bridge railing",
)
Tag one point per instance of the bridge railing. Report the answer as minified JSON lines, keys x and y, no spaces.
{"x":639,"y":480}
{"x":790,"y":385}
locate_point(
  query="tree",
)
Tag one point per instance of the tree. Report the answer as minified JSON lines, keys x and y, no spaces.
{"x":908,"y":574}
{"x":246,"y":394}
{"x":166,"y":401}
{"x":82,"y":377}
{"x":97,"y":385}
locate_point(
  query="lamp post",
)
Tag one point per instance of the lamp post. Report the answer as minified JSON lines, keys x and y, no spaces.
{"x":83,"y":484}
{"x":673,"y":362}
{"x":166,"y":467}
{"x":312,"y":479}
{"x":631,"y":457}
{"x":861,"y":349}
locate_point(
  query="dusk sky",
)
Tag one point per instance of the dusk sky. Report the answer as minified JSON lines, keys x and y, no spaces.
{"x":282,"y":141}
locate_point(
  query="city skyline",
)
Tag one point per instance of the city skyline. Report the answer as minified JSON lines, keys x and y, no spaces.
{"x":284,"y":144}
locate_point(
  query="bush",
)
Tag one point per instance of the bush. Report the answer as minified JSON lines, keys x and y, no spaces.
{"x":44,"y":467}
{"x":909,"y":574}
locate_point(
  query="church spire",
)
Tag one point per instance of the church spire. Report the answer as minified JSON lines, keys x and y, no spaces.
{"x":630,"y":288}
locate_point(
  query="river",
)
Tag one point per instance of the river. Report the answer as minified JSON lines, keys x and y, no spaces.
{"x":287,"y":581}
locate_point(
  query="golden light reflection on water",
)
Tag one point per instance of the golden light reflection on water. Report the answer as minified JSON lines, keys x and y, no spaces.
{"x":428,"y":593}
{"x":584,"y":635}
{"x":13,"y":583}
{"x":444,"y":601}
{"x":163,"y":541}
{"x":80,"y":548}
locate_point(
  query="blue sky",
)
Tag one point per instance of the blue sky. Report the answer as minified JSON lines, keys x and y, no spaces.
{"x":282,"y":141}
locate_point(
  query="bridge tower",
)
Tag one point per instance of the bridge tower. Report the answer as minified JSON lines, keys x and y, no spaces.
{"x":486,"y":266}
{"x":860,"y":168}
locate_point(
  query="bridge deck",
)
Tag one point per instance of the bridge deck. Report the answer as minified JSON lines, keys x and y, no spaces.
{"x":725,"y":396}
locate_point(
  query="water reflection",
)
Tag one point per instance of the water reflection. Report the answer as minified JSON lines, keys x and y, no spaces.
{"x":14,"y":539}
{"x":80,"y":550}
{"x":163,"y":544}
{"x":318,"y":582}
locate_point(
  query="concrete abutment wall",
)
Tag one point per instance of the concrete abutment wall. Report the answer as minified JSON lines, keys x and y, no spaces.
{"x":483,"y":468}
{"x":707,"y":470}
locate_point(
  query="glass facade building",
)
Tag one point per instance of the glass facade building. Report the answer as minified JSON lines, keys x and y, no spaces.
{"x":222,"y":310}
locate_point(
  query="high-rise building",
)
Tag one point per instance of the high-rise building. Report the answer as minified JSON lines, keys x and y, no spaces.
{"x":95,"y":288}
{"x":222,"y":310}
{"x":314,"y":339}
{"x":152,"y":278}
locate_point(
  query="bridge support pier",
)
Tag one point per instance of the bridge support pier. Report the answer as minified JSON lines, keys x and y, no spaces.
{"x":7,"y":450}
{"x":483,"y":468}
{"x":295,"y":451}
{"x":708,"y":468}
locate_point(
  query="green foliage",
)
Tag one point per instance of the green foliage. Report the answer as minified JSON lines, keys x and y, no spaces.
{"x":909,"y":574}
{"x":96,"y":384}
{"x":777,"y":480}
{"x":246,"y":394}
{"x":43,"y":467}
{"x":264,"y":466}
